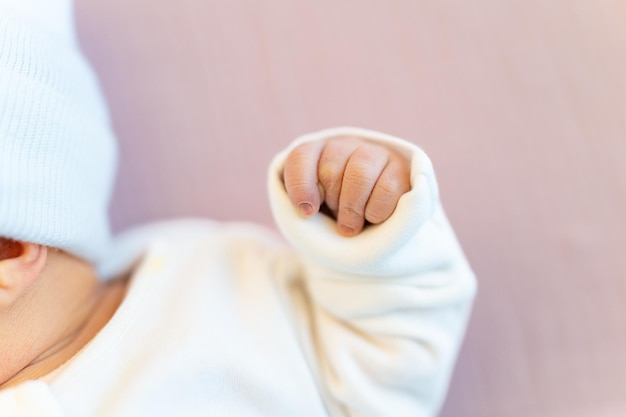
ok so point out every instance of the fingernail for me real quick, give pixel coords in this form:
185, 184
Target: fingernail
306, 209
346, 230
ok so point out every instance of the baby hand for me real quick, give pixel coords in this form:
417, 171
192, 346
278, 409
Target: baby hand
357, 180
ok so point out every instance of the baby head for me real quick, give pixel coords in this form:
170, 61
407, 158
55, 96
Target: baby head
57, 152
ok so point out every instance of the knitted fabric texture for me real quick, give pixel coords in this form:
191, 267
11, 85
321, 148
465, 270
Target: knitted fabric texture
57, 151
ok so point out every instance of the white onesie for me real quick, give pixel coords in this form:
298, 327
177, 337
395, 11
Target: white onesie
227, 320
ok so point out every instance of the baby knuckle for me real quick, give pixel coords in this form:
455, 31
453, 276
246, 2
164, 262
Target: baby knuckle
298, 189
368, 155
354, 179
328, 174
389, 187
299, 155
360, 173
375, 215
350, 210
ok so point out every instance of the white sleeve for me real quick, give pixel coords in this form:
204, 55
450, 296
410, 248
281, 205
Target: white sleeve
383, 313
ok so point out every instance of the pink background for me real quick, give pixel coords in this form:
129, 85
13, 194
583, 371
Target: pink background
520, 103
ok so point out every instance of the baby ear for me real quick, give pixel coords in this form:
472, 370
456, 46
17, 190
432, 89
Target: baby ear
20, 265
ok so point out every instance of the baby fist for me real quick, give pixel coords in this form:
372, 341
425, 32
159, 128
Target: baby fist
358, 181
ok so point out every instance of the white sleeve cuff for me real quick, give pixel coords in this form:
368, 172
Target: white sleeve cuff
379, 247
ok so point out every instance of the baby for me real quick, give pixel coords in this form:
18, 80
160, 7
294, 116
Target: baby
362, 315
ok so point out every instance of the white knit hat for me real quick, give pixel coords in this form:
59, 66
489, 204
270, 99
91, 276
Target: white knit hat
57, 151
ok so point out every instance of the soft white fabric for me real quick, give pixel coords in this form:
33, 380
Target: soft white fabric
227, 320
57, 153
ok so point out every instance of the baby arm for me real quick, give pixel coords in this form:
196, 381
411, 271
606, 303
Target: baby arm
385, 305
